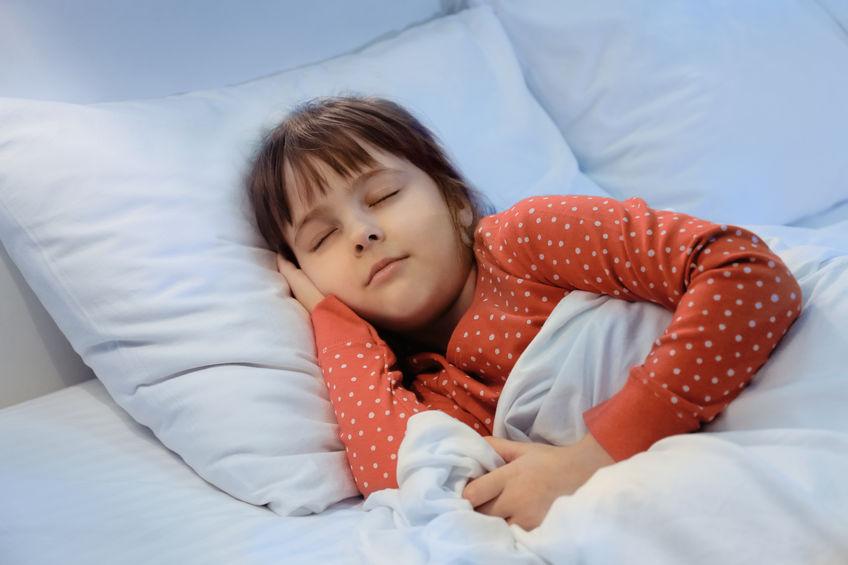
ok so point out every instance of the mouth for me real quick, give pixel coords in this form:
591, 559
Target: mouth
383, 268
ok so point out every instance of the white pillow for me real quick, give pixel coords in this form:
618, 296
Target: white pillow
129, 220
729, 109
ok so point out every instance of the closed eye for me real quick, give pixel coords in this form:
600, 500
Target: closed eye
386, 196
322, 241
317, 245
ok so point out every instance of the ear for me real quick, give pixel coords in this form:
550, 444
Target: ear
465, 215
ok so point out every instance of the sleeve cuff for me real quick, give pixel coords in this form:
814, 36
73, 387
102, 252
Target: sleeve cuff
634, 419
334, 323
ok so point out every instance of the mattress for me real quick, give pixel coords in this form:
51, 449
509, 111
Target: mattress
92, 486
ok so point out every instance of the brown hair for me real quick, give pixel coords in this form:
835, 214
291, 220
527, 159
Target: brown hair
327, 129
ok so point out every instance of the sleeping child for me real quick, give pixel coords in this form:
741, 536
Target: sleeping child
422, 298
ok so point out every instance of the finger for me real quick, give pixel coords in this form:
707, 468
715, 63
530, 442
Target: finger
509, 507
507, 449
282, 263
522, 522
485, 488
493, 508
490, 508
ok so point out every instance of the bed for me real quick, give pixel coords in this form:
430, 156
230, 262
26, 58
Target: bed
183, 448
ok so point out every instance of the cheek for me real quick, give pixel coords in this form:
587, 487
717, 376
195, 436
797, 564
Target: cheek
327, 275
434, 222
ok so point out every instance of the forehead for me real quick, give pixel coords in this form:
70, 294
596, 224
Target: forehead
311, 180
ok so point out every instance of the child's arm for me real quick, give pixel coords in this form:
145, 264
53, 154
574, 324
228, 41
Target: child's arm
372, 408
367, 396
733, 299
370, 403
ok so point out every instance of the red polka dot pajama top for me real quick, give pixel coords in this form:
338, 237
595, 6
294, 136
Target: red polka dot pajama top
733, 300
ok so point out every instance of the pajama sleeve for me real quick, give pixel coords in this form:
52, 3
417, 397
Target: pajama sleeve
366, 392
732, 300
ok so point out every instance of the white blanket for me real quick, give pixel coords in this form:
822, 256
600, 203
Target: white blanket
765, 482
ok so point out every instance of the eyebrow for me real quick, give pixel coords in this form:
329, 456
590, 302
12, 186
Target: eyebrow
318, 210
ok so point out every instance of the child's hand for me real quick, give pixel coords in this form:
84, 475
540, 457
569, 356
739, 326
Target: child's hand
535, 474
302, 287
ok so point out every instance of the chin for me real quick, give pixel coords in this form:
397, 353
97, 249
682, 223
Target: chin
397, 319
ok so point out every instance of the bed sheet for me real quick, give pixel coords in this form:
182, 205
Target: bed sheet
82, 483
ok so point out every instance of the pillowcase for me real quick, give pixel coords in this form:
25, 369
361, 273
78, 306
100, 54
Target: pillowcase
727, 109
130, 222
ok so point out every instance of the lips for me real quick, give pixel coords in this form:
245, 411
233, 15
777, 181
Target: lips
382, 263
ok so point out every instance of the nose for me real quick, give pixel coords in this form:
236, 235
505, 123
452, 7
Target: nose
366, 234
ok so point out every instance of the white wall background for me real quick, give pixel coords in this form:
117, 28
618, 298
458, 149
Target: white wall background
98, 50
89, 51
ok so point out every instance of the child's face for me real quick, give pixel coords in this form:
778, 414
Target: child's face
398, 212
